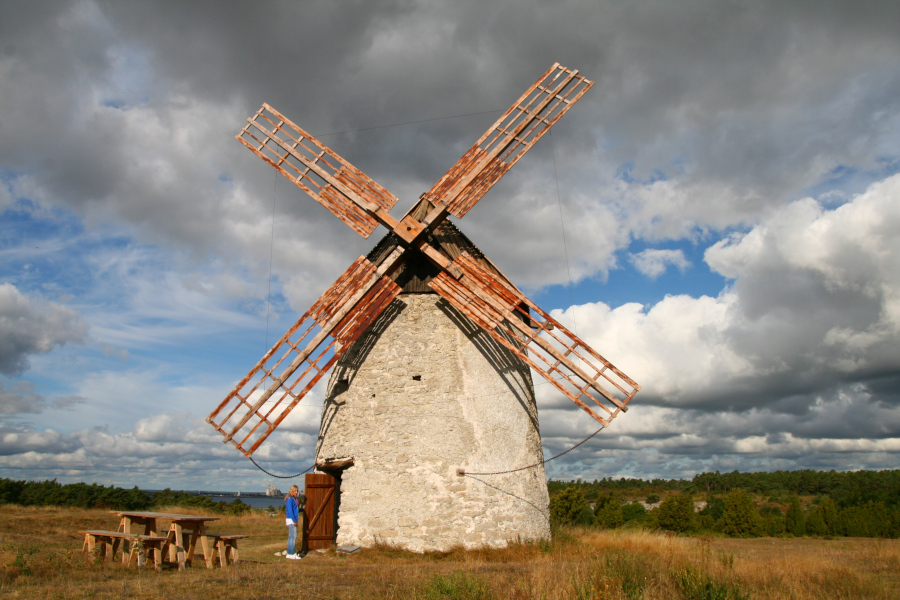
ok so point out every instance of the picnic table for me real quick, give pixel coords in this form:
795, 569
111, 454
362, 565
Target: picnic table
193, 525
108, 541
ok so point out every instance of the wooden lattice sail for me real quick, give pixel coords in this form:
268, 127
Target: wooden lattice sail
262, 400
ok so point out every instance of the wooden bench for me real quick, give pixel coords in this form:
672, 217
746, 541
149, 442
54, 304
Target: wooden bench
225, 548
109, 543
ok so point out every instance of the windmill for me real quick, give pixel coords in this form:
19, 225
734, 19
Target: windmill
426, 386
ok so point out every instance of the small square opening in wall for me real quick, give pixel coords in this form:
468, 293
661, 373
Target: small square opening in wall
417, 378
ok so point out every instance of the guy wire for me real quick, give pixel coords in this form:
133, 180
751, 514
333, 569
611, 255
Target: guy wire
467, 473
562, 227
543, 462
271, 254
280, 476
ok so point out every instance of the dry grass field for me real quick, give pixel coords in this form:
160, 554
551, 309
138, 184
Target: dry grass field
40, 557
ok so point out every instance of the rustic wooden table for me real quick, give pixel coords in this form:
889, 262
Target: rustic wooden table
195, 524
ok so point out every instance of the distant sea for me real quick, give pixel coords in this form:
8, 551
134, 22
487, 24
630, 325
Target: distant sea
253, 501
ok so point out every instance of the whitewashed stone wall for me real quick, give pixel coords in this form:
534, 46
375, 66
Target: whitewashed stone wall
423, 393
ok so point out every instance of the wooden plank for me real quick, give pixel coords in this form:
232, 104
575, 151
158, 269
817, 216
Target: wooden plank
467, 157
503, 144
377, 194
334, 464
349, 194
347, 331
340, 207
492, 304
511, 297
441, 285
343, 312
314, 166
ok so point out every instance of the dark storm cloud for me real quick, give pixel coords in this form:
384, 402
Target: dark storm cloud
20, 398
846, 428
706, 116
711, 92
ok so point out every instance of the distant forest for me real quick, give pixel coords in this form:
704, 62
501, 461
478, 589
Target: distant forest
83, 495
781, 503
821, 503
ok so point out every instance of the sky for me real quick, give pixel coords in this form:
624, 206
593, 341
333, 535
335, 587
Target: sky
718, 216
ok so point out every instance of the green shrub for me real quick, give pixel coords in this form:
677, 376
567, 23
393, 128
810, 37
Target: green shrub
741, 517
567, 506
608, 512
774, 524
676, 513
870, 520
78, 495
815, 523
715, 507
238, 508
795, 521
634, 512
707, 523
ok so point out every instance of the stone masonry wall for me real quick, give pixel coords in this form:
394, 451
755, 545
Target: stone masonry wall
422, 393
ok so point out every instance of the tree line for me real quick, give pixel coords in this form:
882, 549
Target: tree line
83, 495
856, 504
848, 488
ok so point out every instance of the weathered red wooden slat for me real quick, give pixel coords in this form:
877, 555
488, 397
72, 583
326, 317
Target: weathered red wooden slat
251, 440
364, 226
346, 332
318, 183
493, 304
374, 192
504, 143
446, 286
513, 298
329, 179
353, 302
445, 182
329, 302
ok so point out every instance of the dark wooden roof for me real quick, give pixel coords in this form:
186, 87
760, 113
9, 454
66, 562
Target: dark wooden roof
416, 271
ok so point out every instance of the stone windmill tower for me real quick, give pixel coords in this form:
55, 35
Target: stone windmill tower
433, 350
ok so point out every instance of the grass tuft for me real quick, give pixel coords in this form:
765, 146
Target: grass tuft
457, 586
699, 586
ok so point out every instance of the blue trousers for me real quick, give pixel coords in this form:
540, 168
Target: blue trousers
292, 539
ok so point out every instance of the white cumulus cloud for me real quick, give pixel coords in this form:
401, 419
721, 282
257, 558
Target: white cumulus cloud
653, 262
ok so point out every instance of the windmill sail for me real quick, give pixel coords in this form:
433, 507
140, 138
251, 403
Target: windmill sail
316, 169
504, 143
287, 372
563, 359
290, 370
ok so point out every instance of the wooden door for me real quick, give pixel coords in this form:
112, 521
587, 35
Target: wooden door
320, 498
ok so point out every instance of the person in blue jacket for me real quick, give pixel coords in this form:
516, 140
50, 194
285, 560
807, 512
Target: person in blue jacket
292, 519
